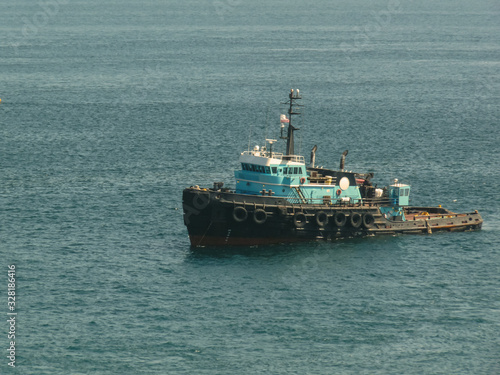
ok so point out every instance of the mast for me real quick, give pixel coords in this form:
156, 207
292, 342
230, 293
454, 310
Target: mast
290, 144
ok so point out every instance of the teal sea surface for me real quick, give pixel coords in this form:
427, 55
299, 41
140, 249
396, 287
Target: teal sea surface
110, 108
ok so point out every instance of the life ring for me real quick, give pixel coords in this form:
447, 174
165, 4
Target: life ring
356, 220
240, 214
368, 221
321, 219
259, 216
339, 191
300, 220
302, 180
339, 219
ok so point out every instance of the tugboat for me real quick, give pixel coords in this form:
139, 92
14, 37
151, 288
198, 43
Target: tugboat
279, 199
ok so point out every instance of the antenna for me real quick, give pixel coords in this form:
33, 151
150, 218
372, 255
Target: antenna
290, 143
267, 120
270, 141
249, 136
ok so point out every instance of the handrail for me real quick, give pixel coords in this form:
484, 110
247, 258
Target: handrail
300, 194
264, 154
295, 158
275, 155
339, 202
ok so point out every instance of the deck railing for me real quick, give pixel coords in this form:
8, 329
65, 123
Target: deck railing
340, 202
275, 155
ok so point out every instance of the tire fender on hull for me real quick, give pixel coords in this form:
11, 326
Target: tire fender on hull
259, 216
321, 219
339, 219
240, 214
368, 221
299, 220
356, 220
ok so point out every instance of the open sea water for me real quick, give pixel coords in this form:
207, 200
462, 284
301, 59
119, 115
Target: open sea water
110, 108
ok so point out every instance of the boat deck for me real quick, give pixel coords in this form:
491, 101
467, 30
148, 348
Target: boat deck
427, 216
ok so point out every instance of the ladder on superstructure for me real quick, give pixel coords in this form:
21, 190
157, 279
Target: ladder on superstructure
300, 194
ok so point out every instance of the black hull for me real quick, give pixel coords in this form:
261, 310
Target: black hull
223, 218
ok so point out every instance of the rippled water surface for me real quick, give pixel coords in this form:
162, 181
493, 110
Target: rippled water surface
109, 109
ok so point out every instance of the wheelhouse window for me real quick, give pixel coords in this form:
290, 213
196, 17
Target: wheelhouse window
259, 168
